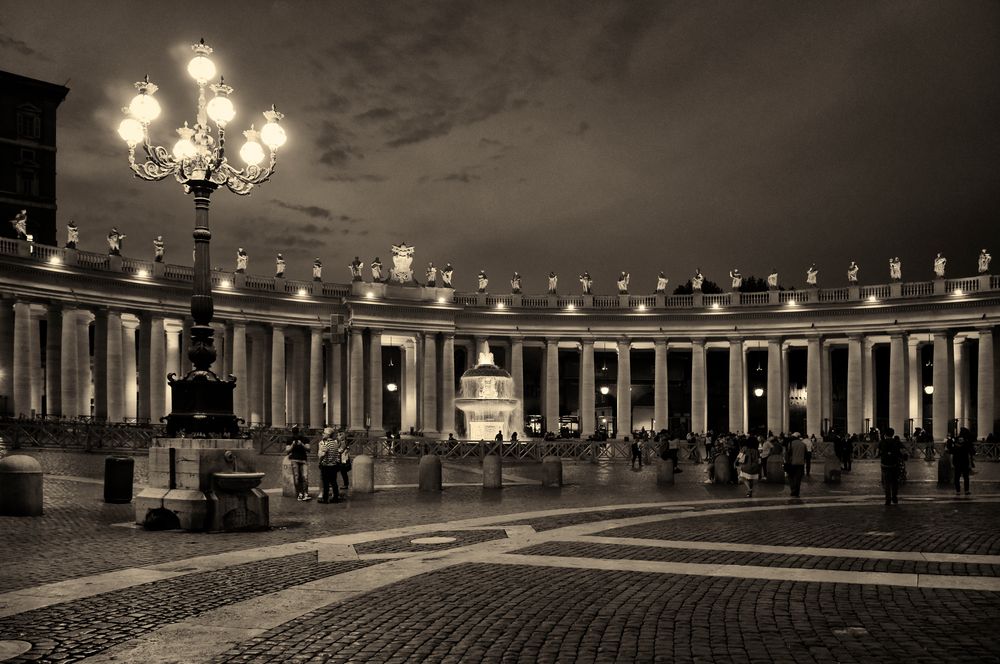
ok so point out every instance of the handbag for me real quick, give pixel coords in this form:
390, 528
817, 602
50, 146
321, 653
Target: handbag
345, 459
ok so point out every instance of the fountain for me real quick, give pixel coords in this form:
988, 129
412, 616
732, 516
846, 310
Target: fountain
487, 399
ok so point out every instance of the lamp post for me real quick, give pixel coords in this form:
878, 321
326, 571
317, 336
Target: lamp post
202, 402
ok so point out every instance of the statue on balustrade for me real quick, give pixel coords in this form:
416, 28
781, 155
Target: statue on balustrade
587, 283
811, 275
317, 269
115, 238
279, 266
241, 260
697, 280
72, 235
984, 261
446, 275
20, 224
402, 259
852, 273
431, 275
483, 281
737, 278
623, 280
939, 264
895, 269
553, 283
158, 248
376, 268
515, 283
661, 283
772, 280
356, 266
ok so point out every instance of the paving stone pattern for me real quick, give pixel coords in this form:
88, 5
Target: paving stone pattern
672, 555
483, 613
71, 631
403, 544
947, 527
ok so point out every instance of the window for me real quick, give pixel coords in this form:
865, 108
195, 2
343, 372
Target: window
28, 159
29, 122
27, 182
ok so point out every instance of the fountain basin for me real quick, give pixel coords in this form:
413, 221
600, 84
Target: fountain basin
233, 482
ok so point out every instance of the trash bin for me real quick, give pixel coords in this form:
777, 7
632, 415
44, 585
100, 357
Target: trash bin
118, 479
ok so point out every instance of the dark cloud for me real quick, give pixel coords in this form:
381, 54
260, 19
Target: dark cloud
21, 47
310, 210
377, 115
358, 177
612, 50
332, 141
331, 102
464, 177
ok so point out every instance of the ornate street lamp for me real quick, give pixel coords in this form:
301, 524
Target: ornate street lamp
202, 402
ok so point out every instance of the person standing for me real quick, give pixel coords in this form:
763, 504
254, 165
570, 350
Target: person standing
749, 464
890, 454
297, 451
765, 452
962, 451
344, 454
795, 462
810, 444
329, 464
636, 453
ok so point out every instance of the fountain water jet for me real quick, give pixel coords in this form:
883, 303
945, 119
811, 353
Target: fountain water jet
487, 399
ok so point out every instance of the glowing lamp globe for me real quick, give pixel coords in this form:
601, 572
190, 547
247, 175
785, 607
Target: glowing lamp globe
144, 108
221, 110
184, 149
273, 135
605, 390
252, 152
130, 131
201, 69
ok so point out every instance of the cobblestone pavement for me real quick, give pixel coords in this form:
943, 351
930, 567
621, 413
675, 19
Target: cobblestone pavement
405, 544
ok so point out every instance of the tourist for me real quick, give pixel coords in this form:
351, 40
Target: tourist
297, 451
890, 453
513, 436
636, 452
344, 450
962, 451
749, 464
810, 446
847, 460
795, 463
329, 463
765, 452
499, 436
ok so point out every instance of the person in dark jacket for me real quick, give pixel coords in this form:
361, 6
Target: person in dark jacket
297, 450
890, 453
795, 462
962, 451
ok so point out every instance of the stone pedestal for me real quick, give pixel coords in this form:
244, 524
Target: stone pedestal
20, 486
552, 471
492, 472
831, 470
723, 471
665, 472
429, 473
946, 473
775, 469
183, 486
364, 474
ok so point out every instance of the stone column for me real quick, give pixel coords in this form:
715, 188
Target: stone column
775, 400
36, 363
278, 386
70, 400
914, 386
241, 370
115, 368
142, 406
855, 386
736, 385
429, 410
375, 381
227, 352
898, 390
448, 383
53, 359
868, 384
814, 387
962, 382
517, 374
944, 377
552, 384
985, 383
172, 329
84, 385
699, 387
661, 413
129, 381
22, 358
7, 357
334, 385
356, 381
827, 374
588, 410
101, 364
411, 401
157, 370
316, 418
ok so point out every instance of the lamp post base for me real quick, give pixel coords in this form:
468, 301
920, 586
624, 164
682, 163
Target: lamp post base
202, 406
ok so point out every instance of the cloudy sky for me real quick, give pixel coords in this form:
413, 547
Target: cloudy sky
535, 135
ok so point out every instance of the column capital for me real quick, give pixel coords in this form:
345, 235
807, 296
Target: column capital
449, 335
624, 341
659, 341
516, 338
735, 340
697, 341
587, 341
551, 340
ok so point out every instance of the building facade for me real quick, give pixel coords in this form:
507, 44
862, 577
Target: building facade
87, 334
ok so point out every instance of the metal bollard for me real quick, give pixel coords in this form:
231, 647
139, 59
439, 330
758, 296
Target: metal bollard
552, 471
20, 486
831, 470
118, 473
665, 472
429, 474
492, 472
364, 474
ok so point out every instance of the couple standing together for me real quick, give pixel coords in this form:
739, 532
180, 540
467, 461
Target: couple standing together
334, 458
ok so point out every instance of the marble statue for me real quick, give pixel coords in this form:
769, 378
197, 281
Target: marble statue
587, 283
317, 269
115, 238
376, 268
553, 283
984, 261
515, 283
279, 266
72, 235
661, 283
852, 273
446, 275
241, 260
939, 264
737, 278
356, 266
402, 259
20, 224
483, 281
431, 275
772, 280
697, 280
811, 275
623, 280
158, 249
895, 269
